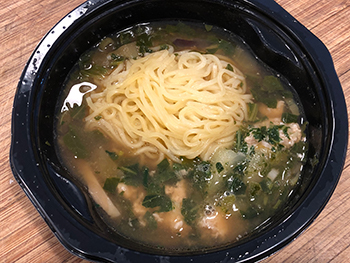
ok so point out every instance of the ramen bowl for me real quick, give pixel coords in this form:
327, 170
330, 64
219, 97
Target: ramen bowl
275, 38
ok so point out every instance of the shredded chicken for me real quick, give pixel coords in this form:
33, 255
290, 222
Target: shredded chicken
294, 133
173, 219
215, 224
135, 195
177, 192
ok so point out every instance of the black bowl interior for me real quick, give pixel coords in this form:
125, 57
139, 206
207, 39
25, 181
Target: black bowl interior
275, 38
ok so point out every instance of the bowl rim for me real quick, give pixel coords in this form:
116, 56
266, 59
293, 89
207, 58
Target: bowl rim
25, 171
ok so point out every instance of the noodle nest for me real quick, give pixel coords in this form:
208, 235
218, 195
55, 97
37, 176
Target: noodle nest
167, 104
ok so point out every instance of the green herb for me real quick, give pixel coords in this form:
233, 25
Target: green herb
259, 133
144, 42
112, 155
273, 135
219, 167
314, 160
97, 136
252, 111
125, 38
165, 172
229, 67
117, 57
189, 210
98, 117
236, 185
132, 175
267, 90
289, 117
226, 203
227, 47
162, 201
201, 175
285, 131
254, 189
271, 84
111, 184
270, 135
241, 145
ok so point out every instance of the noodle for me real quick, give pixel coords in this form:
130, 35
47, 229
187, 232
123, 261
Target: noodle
170, 105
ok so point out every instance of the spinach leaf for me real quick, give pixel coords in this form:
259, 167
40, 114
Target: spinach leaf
219, 167
165, 172
229, 67
252, 111
201, 175
111, 184
132, 175
74, 144
271, 84
162, 201
227, 47
189, 210
289, 117
267, 90
259, 133
273, 134
241, 145
236, 185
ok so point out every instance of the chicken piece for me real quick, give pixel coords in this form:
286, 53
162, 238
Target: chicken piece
173, 220
251, 141
215, 224
272, 113
294, 133
177, 192
135, 195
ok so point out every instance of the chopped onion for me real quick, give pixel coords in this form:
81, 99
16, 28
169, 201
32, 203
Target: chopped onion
272, 174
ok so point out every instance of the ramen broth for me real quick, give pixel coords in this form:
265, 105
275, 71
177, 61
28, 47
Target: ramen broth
181, 203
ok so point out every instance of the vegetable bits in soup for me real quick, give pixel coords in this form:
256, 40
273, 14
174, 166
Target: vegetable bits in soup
182, 138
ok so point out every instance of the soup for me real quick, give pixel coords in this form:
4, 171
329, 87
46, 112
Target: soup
183, 139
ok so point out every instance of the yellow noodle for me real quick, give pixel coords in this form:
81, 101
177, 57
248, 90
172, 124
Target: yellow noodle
171, 105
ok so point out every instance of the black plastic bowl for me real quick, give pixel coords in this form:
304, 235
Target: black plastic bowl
275, 37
